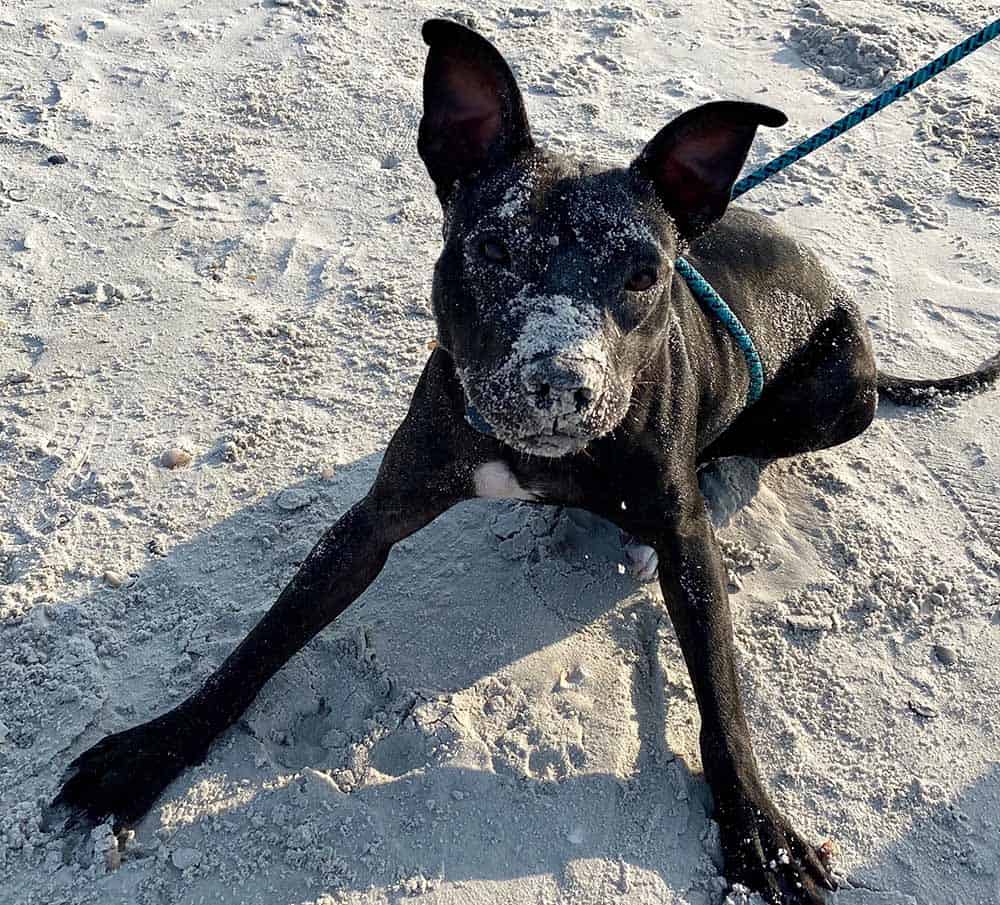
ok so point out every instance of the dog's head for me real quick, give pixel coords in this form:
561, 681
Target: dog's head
554, 283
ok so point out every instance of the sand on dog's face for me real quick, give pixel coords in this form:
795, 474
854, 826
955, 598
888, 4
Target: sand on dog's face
235, 262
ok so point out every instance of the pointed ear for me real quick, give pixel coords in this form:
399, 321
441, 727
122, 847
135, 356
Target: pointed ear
694, 160
473, 111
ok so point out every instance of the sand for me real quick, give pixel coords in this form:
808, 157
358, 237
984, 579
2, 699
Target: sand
211, 317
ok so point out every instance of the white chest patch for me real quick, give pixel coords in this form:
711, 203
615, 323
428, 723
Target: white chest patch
495, 481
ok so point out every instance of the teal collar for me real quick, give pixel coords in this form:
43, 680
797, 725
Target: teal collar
715, 303
477, 422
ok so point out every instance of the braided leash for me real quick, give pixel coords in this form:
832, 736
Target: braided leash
703, 290
700, 286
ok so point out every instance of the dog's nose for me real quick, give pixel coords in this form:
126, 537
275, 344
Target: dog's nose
560, 386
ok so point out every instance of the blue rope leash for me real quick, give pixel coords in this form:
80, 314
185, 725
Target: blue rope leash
889, 96
700, 286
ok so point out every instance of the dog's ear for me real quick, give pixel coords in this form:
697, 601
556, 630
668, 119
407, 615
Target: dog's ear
694, 160
473, 111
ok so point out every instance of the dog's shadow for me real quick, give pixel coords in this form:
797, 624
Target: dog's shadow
466, 722
462, 721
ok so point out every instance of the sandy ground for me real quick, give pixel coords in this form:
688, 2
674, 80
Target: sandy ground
235, 259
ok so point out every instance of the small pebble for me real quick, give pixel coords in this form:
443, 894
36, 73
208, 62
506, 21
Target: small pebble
836, 73
945, 654
113, 579
327, 472
806, 623
57, 159
294, 498
175, 457
924, 710
113, 293
157, 547
934, 599
184, 858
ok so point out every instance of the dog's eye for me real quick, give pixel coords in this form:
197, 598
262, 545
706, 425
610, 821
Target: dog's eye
494, 251
641, 280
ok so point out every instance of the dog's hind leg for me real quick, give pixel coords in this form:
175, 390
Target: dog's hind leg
824, 396
420, 477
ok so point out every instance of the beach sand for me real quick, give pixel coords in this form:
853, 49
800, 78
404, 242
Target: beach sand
233, 265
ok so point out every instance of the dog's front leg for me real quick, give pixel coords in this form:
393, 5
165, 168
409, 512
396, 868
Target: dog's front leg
122, 775
761, 849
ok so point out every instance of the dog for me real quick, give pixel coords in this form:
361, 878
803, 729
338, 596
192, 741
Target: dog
574, 366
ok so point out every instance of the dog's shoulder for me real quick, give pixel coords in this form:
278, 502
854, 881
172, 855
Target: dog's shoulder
747, 250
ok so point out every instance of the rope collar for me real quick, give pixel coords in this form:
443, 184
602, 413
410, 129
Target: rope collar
477, 422
705, 294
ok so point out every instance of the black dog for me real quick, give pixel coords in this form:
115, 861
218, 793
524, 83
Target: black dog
574, 366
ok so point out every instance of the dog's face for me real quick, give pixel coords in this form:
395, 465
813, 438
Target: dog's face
554, 283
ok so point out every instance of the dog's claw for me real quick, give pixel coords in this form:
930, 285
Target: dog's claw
764, 853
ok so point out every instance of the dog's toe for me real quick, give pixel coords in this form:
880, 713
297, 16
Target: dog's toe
765, 854
642, 560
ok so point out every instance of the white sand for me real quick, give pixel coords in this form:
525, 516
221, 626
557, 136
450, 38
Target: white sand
235, 261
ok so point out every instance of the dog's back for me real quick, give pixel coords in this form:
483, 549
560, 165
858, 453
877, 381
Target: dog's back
777, 286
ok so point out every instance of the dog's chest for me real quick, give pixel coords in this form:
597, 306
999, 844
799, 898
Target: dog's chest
495, 481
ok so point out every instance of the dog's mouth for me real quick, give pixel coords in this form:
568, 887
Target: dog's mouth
549, 443
549, 446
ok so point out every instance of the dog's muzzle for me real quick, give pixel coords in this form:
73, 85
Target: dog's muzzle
549, 397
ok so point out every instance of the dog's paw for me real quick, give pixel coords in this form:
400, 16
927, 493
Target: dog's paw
641, 560
764, 853
117, 779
